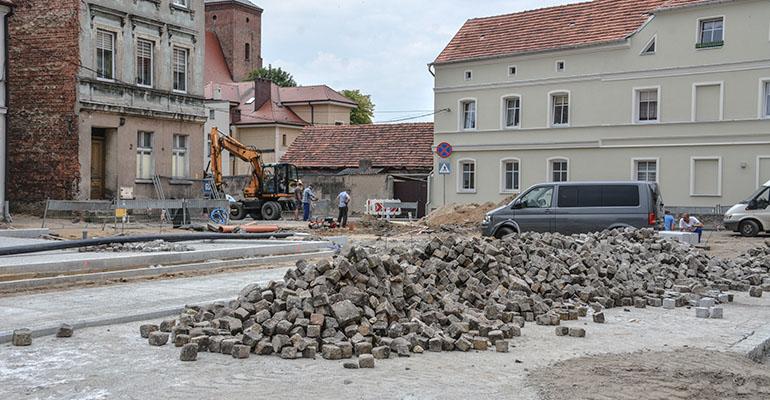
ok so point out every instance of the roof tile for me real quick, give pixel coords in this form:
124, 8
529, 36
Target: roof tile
552, 28
402, 146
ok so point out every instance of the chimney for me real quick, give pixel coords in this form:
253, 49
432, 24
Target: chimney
364, 165
262, 92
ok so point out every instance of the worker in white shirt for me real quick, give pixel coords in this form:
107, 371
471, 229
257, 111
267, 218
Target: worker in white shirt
344, 200
691, 224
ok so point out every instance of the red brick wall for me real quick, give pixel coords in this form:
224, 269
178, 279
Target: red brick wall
233, 31
42, 123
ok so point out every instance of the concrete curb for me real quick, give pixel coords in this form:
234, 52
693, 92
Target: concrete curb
32, 233
756, 346
256, 248
149, 272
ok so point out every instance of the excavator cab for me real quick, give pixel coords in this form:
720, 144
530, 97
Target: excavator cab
279, 179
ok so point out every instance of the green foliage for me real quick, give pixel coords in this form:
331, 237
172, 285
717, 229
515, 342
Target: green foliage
364, 113
277, 75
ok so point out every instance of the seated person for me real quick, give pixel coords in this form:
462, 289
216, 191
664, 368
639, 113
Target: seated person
691, 224
668, 221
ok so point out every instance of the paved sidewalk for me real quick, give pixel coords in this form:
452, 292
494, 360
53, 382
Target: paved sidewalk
104, 305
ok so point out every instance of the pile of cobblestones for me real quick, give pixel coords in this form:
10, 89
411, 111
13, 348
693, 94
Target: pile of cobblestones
451, 293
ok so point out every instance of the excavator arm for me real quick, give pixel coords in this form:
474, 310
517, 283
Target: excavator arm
220, 142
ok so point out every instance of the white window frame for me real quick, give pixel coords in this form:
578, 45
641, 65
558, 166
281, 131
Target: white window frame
468, 75
146, 151
549, 168
181, 3
694, 109
635, 99
698, 31
180, 151
504, 111
635, 170
460, 176
550, 113
114, 36
692, 176
152, 62
763, 98
516, 71
563, 65
644, 51
187, 52
461, 113
759, 160
517, 183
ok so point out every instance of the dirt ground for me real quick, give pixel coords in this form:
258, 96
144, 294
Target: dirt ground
682, 374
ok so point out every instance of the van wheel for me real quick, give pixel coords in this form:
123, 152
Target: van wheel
503, 232
749, 228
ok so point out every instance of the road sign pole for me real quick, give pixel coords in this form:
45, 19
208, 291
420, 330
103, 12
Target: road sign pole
443, 180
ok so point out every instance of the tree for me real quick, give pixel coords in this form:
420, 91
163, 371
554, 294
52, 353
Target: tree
364, 113
277, 75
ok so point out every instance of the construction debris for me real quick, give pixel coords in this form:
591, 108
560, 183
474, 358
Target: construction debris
455, 293
65, 331
155, 246
22, 337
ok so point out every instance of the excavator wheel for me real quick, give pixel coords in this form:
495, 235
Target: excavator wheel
237, 211
271, 211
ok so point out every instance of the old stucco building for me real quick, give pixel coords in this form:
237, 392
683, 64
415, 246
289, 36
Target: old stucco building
107, 94
672, 91
259, 113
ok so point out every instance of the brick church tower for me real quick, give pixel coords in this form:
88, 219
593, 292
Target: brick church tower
238, 26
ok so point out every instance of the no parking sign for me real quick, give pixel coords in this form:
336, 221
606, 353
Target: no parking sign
444, 150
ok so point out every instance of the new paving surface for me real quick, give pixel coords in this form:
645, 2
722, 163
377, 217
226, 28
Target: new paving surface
114, 362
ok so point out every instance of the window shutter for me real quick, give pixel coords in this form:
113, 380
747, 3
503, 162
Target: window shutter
104, 40
144, 49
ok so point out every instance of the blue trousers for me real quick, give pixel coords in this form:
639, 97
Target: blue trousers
699, 231
305, 211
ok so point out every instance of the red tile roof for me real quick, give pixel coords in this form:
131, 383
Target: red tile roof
318, 93
552, 28
272, 112
215, 68
401, 146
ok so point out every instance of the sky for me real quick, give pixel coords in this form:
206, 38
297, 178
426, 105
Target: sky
381, 47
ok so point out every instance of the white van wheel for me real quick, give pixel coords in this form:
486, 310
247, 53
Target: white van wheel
749, 228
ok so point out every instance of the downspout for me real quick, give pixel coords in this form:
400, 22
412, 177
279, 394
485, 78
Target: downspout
427, 203
312, 113
3, 141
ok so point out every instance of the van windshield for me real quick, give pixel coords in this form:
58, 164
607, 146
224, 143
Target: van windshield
756, 194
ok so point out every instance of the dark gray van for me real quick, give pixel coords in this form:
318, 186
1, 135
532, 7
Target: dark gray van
577, 207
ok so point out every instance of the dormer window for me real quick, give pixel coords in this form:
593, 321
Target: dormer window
650, 47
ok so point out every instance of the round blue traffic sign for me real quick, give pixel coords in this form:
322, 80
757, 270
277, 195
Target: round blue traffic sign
444, 150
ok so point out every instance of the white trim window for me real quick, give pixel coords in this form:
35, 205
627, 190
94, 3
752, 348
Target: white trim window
560, 109
145, 167
105, 54
180, 3
512, 69
711, 32
467, 176
468, 75
144, 62
706, 176
179, 160
468, 114
647, 105
558, 170
650, 47
512, 109
511, 175
180, 69
646, 170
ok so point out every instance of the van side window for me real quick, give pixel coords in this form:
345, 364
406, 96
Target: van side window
541, 197
599, 196
763, 200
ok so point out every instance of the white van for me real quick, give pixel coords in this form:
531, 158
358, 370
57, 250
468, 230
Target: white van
751, 216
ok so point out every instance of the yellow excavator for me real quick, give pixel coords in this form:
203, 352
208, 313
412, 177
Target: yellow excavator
271, 188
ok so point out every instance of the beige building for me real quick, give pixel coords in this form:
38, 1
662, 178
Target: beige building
261, 114
672, 91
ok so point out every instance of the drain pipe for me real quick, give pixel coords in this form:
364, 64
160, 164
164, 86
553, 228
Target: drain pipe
430, 200
172, 238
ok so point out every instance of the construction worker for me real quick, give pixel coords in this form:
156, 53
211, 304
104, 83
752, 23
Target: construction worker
308, 197
298, 199
344, 199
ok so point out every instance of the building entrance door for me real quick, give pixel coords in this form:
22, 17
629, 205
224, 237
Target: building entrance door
97, 164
